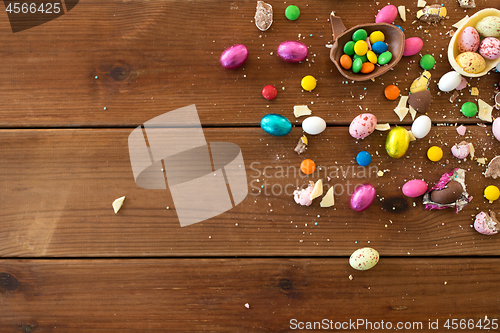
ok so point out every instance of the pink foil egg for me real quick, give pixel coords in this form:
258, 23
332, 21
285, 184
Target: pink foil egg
363, 197
413, 45
468, 40
414, 188
490, 48
387, 14
234, 56
362, 125
292, 51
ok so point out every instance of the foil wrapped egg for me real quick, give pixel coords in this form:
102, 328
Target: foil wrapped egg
234, 56
293, 51
363, 197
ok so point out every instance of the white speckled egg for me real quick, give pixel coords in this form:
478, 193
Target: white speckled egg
421, 127
362, 125
313, 125
468, 40
364, 259
449, 81
471, 62
490, 48
489, 26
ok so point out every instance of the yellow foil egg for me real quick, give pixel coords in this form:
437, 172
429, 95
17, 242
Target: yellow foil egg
397, 142
471, 62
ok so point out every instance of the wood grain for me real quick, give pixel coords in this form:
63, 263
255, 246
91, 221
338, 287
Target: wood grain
58, 188
210, 295
156, 56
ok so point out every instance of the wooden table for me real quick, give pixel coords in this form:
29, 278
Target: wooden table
75, 88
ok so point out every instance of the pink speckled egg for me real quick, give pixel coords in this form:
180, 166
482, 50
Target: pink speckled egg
363, 197
468, 40
234, 56
414, 188
496, 128
413, 45
387, 14
490, 48
362, 125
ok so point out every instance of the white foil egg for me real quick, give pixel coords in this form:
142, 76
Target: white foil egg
449, 81
313, 125
421, 127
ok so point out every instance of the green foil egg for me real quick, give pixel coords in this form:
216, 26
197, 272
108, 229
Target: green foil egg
397, 142
275, 124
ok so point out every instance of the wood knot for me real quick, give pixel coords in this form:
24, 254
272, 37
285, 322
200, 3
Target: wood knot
395, 205
28, 329
8, 282
285, 284
399, 307
120, 72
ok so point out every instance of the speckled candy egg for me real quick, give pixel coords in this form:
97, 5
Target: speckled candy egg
471, 62
468, 40
234, 56
362, 125
489, 26
364, 259
292, 51
363, 197
275, 124
496, 128
490, 48
414, 188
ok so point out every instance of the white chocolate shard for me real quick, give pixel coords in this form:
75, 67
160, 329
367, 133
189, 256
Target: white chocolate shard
484, 111
402, 13
421, 3
118, 203
471, 150
317, 190
383, 127
301, 110
411, 136
413, 112
328, 200
401, 109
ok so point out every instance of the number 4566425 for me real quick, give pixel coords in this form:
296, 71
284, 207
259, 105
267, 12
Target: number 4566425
33, 8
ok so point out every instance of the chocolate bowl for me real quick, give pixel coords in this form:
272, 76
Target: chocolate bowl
394, 38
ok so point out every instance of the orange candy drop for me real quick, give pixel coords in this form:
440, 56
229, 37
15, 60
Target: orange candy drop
391, 92
345, 61
307, 166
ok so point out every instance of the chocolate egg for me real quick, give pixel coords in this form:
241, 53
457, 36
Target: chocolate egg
275, 124
414, 188
468, 40
364, 259
397, 142
362, 125
448, 195
363, 197
234, 56
292, 51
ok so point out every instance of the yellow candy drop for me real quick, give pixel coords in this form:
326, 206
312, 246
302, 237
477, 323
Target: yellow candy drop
360, 48
435, 153
491, 193
308, 83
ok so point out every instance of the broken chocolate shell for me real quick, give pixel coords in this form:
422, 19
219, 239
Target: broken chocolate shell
493, 170
420, 100
486, 224
451, 193
263, 15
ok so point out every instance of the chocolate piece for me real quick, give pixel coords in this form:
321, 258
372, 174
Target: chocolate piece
301, 145
420, 100
432, 14
493, 170
467, 3
454, 96
451, 193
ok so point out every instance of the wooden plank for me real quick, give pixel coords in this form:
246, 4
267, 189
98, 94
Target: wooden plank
58, 186
158, 56
210, 295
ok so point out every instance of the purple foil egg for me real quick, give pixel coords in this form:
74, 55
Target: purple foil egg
234, 56
363, 197
292, 51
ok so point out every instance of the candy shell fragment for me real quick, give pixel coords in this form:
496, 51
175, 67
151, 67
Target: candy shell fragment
303, 196
432, 14
301, 145
263, 16
493, 169
486, 224
461, 130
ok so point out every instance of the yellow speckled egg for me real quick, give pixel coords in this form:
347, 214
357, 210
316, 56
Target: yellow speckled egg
397, 142
364, 259
471, 62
